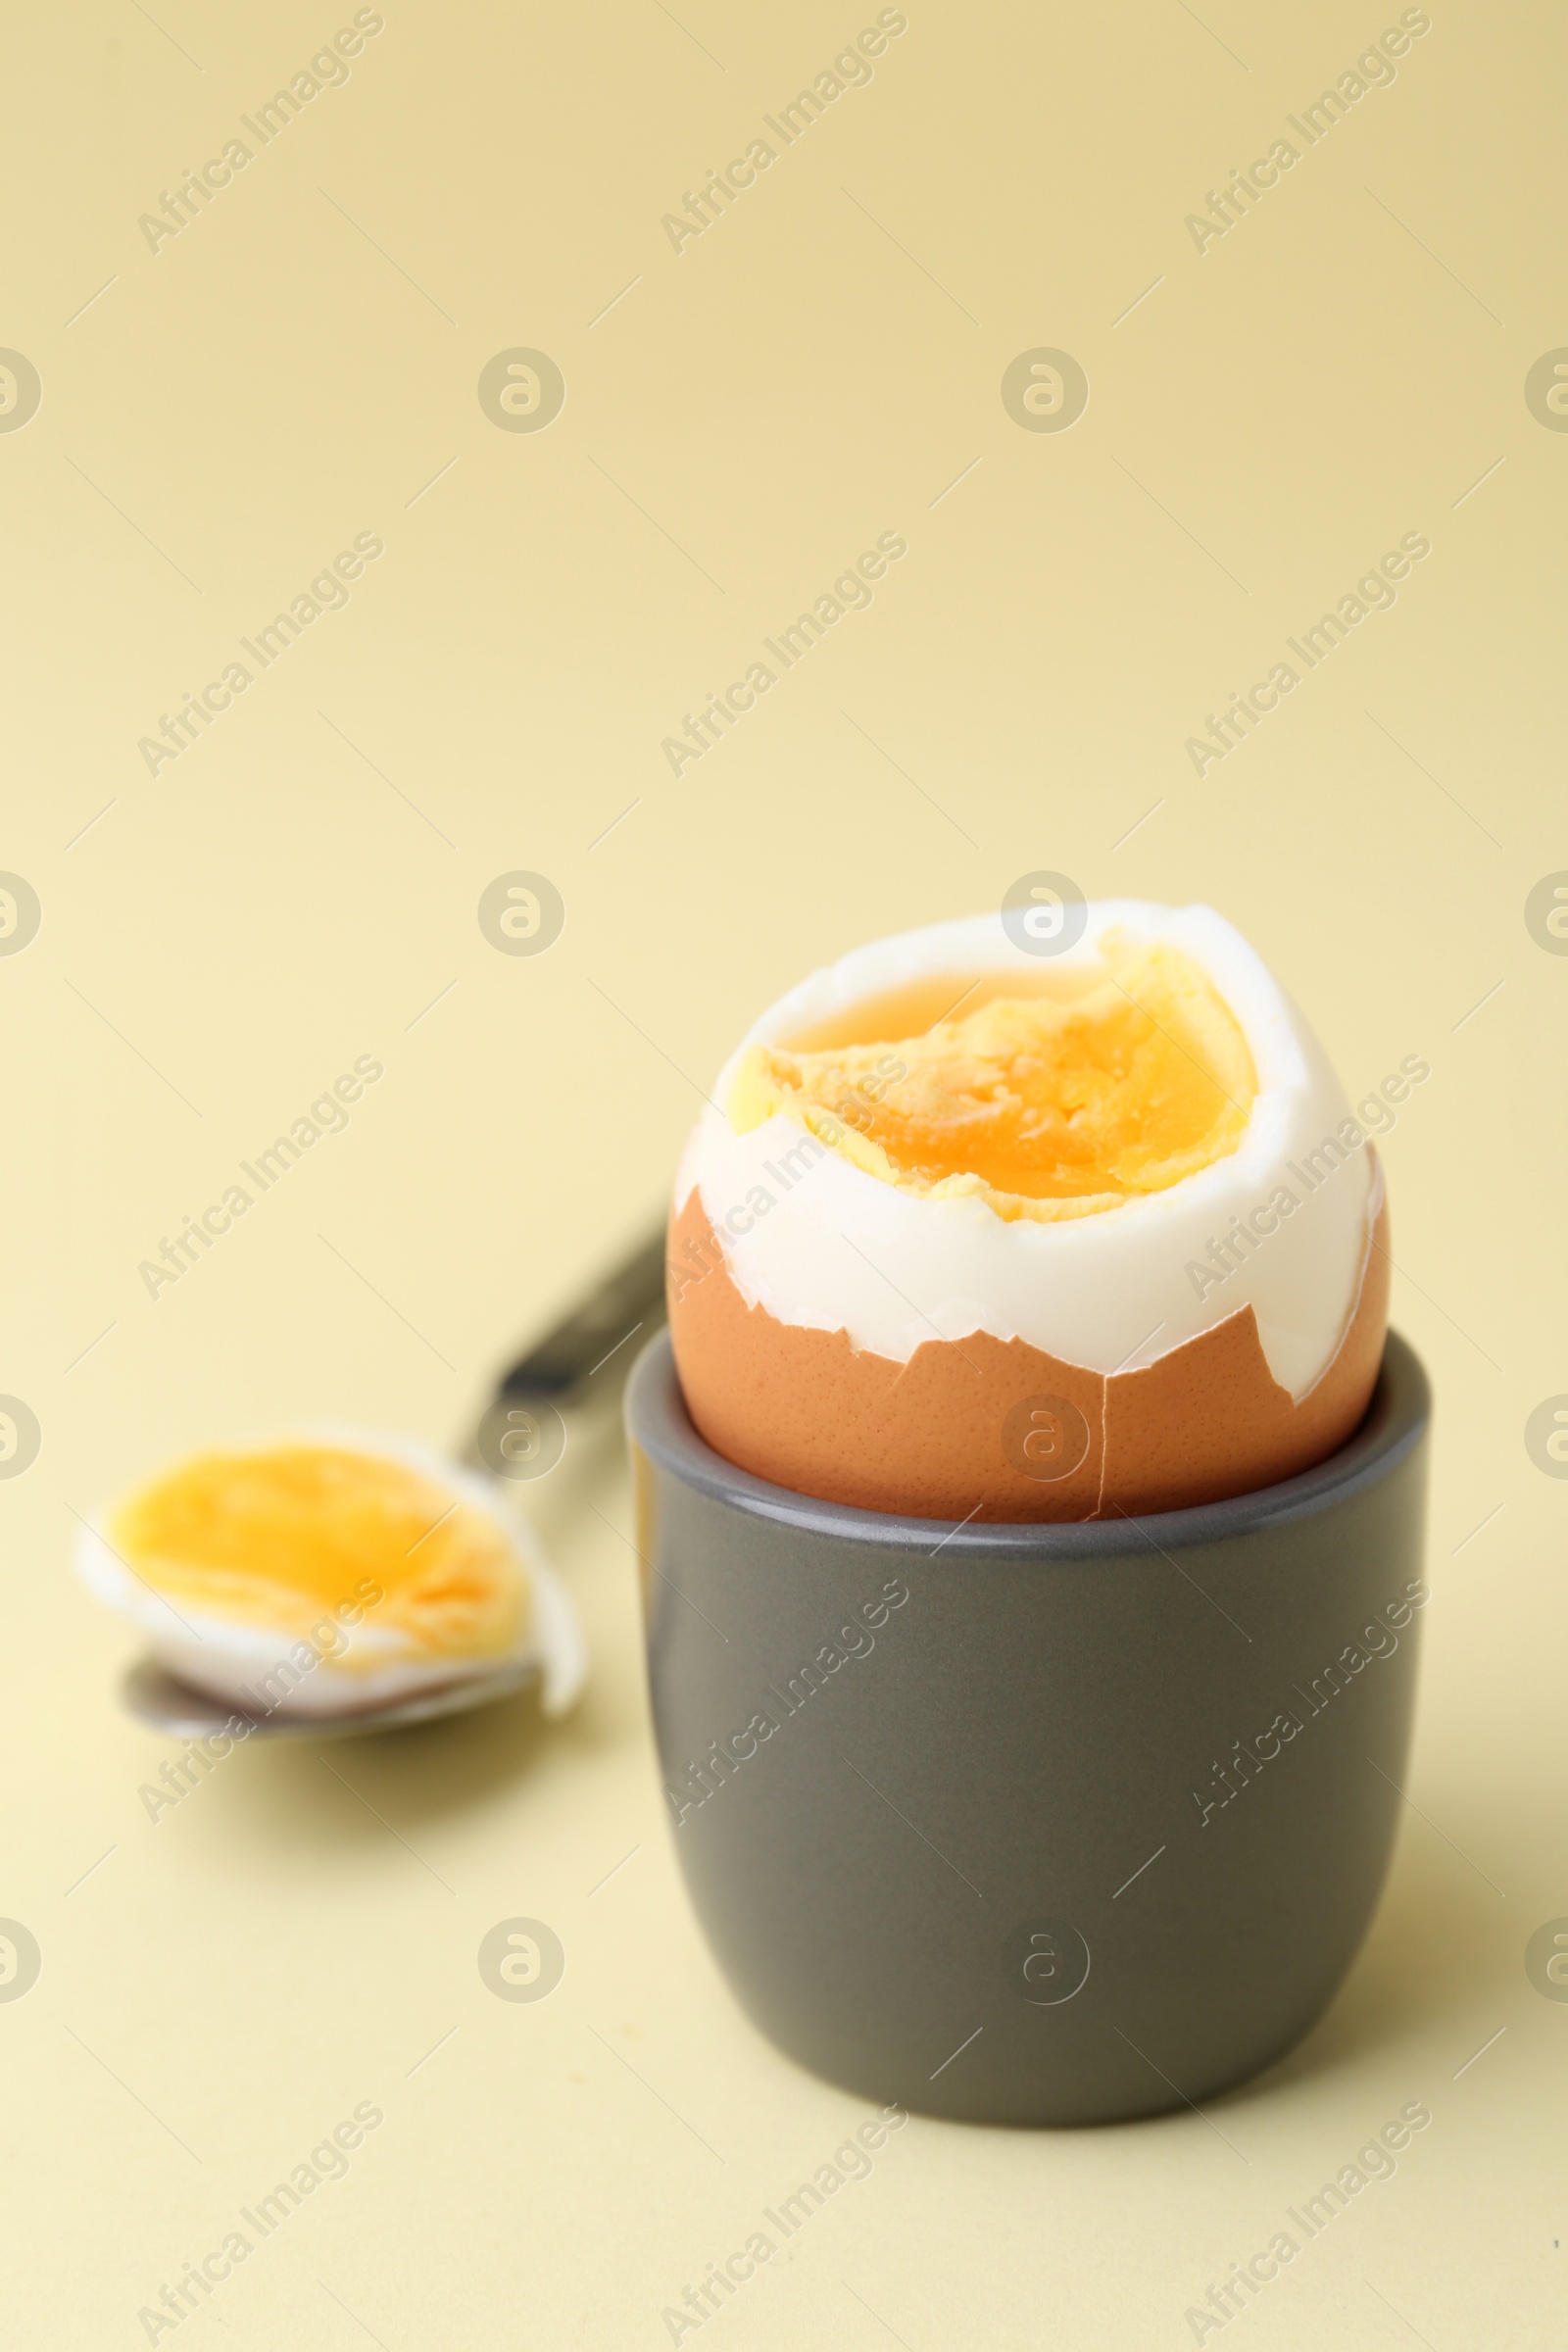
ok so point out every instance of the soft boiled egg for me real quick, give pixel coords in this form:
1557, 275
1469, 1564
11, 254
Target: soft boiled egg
973, 1232
329, 1574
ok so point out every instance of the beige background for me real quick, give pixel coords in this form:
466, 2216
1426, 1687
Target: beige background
219, 419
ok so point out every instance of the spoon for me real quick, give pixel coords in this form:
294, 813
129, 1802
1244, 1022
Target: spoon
553, 1377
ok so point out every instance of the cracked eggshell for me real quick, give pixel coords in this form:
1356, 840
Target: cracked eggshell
866, 1342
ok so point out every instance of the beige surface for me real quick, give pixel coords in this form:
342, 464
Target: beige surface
817, 369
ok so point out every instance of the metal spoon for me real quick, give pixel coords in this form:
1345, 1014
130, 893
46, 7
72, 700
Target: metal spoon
554, 1375
580, 1363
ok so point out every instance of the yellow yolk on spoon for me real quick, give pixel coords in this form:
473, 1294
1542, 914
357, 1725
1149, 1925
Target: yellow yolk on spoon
1045, 1106
275, 1537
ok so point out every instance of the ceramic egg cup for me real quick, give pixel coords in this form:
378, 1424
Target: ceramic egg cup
1090, 1823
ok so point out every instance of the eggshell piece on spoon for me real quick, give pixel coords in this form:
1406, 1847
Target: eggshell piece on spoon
329, 1574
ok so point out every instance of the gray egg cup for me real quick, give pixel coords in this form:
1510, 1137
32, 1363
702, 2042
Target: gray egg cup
1034, 1824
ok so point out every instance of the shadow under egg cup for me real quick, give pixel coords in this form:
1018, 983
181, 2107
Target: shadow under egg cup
1024, 1824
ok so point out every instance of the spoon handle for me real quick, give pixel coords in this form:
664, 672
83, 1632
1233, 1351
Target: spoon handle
629, 1300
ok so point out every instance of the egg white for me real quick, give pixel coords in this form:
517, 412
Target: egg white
841, 1249
378, 1664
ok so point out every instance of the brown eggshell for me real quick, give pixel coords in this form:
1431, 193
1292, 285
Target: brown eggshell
952, 1433
1209, 1419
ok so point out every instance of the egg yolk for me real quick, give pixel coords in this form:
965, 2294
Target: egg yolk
281, 1538
1045, 1106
